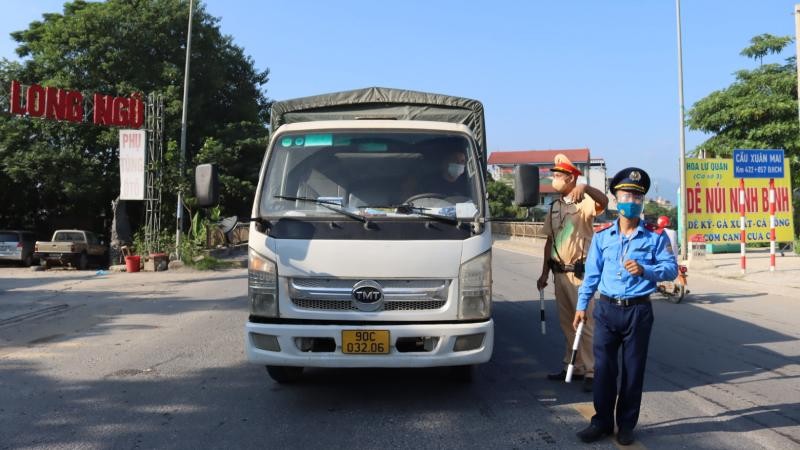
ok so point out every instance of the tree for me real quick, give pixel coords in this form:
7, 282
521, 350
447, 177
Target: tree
501, 197
55, 172
759, 110
765, 44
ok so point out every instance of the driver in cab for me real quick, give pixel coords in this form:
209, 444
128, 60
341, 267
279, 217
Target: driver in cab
452, 179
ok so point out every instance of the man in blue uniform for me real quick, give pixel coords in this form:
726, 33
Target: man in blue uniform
625, 262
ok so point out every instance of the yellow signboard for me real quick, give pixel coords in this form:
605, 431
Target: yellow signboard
712, 203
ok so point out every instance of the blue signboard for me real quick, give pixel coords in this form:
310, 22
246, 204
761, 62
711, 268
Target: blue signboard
757, 163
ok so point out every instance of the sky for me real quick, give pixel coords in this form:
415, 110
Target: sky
592, 74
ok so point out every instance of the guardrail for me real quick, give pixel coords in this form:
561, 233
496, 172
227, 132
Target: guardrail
520, 229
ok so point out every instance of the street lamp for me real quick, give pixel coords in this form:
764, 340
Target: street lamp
182, 161
682, 157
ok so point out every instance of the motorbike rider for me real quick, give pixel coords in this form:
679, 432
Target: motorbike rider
662, 225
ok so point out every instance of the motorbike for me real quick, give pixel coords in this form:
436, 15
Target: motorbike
675, 290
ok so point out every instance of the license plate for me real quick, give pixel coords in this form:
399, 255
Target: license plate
365, 342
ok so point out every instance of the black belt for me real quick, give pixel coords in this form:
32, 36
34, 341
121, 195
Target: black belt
626, 301
557, 267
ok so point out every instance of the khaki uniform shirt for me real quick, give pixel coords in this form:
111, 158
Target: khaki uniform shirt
569, 225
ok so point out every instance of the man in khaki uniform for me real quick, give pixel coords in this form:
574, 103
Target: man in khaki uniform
568, 227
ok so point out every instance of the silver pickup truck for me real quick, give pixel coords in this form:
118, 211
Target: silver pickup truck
71, 247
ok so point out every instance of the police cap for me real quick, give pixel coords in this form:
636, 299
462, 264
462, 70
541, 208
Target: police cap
631, 179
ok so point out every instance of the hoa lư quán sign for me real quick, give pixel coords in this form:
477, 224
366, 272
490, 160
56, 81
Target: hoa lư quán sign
62, 104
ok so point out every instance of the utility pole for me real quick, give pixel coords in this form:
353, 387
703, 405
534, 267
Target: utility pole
182, 163
797, 50
682, 156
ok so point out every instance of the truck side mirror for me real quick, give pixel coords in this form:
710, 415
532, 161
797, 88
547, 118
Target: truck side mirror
526, 185
206, 185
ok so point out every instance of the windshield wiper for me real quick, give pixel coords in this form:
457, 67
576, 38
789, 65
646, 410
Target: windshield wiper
409, 208
325, 204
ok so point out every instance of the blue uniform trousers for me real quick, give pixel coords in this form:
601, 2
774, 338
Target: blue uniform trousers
619, 328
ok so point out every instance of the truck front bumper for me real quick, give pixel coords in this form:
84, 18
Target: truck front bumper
442, 353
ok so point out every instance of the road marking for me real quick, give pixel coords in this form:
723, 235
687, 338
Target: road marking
587, 411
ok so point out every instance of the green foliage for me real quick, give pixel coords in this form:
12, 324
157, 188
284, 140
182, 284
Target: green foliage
501, 198
759, 110
55, 173
211, 263
193, 243
765, 44
165, 242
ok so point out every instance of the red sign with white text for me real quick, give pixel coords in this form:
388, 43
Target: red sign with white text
62, 104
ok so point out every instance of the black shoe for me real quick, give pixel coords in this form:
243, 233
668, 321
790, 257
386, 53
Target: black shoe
593, 433
625, 437
560, 376
587, 384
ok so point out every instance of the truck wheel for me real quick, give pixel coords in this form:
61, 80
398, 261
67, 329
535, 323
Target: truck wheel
462, 374
285, 374
83, 261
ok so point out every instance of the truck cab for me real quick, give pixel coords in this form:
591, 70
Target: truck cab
370, 244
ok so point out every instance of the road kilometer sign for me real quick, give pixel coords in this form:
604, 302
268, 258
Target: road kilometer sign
757, 163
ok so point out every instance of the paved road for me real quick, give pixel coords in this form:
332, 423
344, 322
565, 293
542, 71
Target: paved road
144, 361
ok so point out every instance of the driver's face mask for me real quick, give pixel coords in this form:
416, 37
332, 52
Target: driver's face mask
455, 170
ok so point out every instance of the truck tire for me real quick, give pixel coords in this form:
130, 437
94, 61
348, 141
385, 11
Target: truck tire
285, 374
83, 261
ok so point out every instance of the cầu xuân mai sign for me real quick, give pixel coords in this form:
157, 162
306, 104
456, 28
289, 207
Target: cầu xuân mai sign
62, 104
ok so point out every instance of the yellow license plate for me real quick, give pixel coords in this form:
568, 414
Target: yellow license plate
365, 342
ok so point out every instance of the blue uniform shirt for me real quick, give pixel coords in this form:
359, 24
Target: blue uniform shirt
605, 264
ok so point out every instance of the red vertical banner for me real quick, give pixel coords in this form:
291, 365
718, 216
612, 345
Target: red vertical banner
742, 239
772, 224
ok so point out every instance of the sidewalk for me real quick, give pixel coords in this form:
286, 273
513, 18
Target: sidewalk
785, 280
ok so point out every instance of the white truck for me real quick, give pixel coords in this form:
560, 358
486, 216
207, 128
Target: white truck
370, 244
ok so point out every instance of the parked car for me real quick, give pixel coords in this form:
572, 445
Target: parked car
73, 247
18, 246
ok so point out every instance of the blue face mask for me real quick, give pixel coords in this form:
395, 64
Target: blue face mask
629, 210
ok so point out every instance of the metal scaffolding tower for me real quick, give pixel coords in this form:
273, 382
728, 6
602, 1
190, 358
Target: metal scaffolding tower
154, 124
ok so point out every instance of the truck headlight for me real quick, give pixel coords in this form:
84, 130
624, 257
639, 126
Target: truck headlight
262, 286
475, 286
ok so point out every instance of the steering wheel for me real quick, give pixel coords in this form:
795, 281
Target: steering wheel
425, 195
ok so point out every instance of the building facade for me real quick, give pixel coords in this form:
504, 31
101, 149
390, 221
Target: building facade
502, 163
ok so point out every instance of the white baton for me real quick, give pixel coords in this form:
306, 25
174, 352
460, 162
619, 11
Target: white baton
541, 311
571, 366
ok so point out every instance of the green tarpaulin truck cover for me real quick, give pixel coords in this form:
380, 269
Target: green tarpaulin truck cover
384, 103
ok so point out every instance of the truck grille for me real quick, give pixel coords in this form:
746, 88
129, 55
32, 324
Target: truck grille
329, 294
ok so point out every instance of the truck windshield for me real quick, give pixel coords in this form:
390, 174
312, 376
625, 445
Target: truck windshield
393, 174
